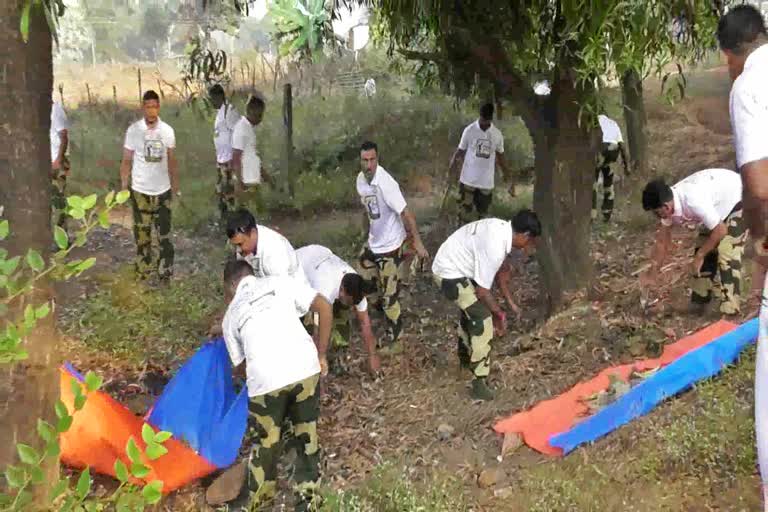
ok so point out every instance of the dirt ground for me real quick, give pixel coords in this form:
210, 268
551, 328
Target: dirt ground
366, 423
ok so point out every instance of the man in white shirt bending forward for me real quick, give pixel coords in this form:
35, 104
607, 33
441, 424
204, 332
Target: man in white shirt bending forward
282, 368
710, 199
465, 268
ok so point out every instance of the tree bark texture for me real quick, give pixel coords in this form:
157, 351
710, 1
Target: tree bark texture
634, 116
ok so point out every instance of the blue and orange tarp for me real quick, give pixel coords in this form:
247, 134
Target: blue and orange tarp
557, 426
199, 407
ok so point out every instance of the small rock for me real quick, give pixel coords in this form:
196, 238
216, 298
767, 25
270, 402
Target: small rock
503, 493
512, 441
445, 432
489, 477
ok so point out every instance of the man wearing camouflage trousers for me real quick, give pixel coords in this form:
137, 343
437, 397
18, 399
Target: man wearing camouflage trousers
611, 149
150, 164
59, 164
223, 127
710, 199
465, 269
282, 366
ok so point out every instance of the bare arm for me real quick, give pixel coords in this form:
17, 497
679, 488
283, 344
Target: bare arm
237, 168
485, 296
502, 163
502, 281
125, 168
173, 170
624, 159
754, 177
64, 139
325, 315
456, 161
369, 340
713, 239
410, 224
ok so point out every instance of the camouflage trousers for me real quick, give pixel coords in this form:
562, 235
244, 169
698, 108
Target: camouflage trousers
385, 270
720, 274
58, 196
475, 325
473, 203
225, 189
299, 403
608, 156
152, 213
252, 199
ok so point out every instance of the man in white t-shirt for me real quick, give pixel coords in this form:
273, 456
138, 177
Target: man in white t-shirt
465, 268
710, 199
742, 37
612, 147
223, 127
480, 149
344, 288
386, 219
59, 136
246, 162
282, 365
149, 163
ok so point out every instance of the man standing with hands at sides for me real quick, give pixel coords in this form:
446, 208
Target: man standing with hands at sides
282, 365
711, 199
59, 164
226, 119
612, 147
386, 219
246, 163
742, 37
480, 149
465, 269
150, 164
343, 288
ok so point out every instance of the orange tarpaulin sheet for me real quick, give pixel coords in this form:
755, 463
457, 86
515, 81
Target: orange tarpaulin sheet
559, 414
99, 434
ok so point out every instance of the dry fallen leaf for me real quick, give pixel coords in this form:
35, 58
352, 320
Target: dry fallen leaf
512, 441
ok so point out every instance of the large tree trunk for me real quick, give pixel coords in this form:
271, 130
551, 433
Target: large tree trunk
29, 389
564, 161
634, 116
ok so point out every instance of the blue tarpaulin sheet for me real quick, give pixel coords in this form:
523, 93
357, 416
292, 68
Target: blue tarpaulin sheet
200, 406
702, 363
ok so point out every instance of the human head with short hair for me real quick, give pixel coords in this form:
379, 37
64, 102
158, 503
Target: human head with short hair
242, 232
369, 159
526, 228
658, 197
217, 96
254, 109
234, 272
150, 105
739, 33
354, 289
486, 116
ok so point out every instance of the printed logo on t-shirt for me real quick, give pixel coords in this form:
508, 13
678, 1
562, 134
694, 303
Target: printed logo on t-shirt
372, 205
153, 150
483, 148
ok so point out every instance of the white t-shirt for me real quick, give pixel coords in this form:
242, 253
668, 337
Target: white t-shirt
480, 159
244, 139
611, 130
475, 251
59, 122
261, 328
275, 256
384, 203
226, 119
749, 109
324, 271
706, 197
149, 174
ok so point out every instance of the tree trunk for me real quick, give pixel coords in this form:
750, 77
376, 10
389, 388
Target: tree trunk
28, 390
634, 116
564, 161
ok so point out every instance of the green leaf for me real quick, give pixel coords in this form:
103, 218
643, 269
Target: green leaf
110, 198
36, 475
46, 431
77, 213
35, 261
155, 451
147, 434
89, 202
75, 202
3, 253
5, 229
80, 240
162, 436
59, 489
15, 476
121, 471
104, 219
62, 240
27, 454
76, 387
64, 424
93, 382
153, 491
24, 22
83, 484
82, 267
122, 196
80, 402
9, 266
139, 470
29, 314
133, 451
53, 449
42, 311
61, 409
